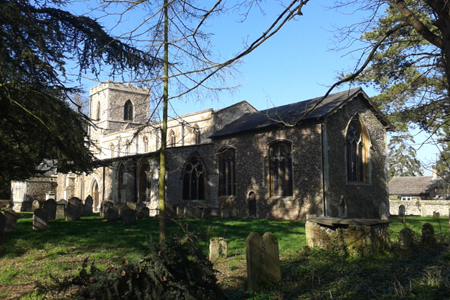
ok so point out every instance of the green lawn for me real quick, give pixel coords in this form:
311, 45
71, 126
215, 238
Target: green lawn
27, 256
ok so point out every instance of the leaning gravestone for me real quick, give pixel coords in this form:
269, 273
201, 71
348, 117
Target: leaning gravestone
128, 216
50, 207
74, 208
35, 205
111, 214
88, 204
271, 259
217, 249
10, 220
40, 219
428, 236
2, 224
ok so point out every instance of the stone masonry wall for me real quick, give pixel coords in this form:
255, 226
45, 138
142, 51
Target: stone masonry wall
420, 207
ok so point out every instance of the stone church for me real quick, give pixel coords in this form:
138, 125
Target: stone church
312, 157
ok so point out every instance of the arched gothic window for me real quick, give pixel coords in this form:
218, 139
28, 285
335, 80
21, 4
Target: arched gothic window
197, 134
144, 182
280, 169
172, 139
112, 150
227, 172
357, 154
120, 182
98, 111
194, 179
145, 140
128, 111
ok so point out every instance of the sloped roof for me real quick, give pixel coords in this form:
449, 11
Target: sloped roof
315, 108
411, 185
48, 167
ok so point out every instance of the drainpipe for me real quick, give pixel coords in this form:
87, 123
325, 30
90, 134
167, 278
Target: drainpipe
325, 167
103, 187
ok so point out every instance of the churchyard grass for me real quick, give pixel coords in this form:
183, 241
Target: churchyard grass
27, 256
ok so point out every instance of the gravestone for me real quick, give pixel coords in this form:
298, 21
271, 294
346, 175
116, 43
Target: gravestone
436, 214
263, 262
104, 207
88, 204
253, 253
143, 213
128, 215
61, 209
406, 238
40, 219
35, 205
217, 249
140, 205
189, 212
74, 209
2, 224
10, 220
428, 236
225, 213
206, 213
50, 207
270, 259
111, 214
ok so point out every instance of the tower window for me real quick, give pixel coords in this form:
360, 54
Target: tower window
128, 111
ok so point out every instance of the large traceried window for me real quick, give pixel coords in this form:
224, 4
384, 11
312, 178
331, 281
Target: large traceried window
128, 111
357, 154
194, 179
280, 169
227, 172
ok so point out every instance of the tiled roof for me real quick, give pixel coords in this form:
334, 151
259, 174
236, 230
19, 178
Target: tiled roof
411, 185
316, 108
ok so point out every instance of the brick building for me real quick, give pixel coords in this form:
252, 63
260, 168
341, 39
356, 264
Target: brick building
312, 157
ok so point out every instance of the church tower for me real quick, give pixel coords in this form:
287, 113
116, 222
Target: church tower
115, 107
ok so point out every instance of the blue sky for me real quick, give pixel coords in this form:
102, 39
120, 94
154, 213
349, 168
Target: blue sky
297, 63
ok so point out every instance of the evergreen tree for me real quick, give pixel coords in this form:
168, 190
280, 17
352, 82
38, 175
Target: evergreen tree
37, 39
409, 65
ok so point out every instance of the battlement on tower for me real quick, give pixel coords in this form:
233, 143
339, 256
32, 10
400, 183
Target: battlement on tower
122, 87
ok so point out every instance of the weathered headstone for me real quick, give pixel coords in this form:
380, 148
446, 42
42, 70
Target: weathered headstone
40, 219
128, 216
35, 205
104, 207
206, 213
271, 259
225, 213
10, 220
61, 206
428, 236
111, 214
143, 213
217, 249
436, 214
50, 207
406, 238
73, 210
88, 204
253, 253
2, 224
189, 212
